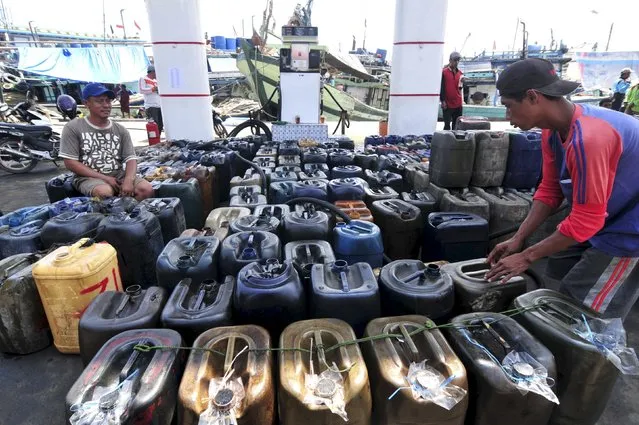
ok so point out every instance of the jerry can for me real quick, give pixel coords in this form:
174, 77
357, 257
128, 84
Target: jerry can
486, 343
339, 157
24, 215
424, 362
289, 147
366, 160
417, 177
145, 382
253, 223
312, 167
61, 187
304, 223
281, 192
472, 123
379, 179
401, 224
411, 287
23, 239
271, 293
237, 383
452, 158
195, 307
193, 258
437, 192
251, 178
454, 237
188, 191
422, 200
111, 313
524, 160
241, 190
282, 176
206, 178
220, 219
380, 194
338, 284
329, 145
289, 160
586, 378
266, 162
80, 204
137, 237
356, 210
115, 205
344, 142
223, 161
288, 169
304, 254
274, 210
359, 241
491, 155
244, 248
170, 213
68, 227
266, 151
68, 279
311, 380
314, 156
464, 201
317, 189
22, 317
373, 140
347, 189
344, 171
474, 293
507, 210
248, 200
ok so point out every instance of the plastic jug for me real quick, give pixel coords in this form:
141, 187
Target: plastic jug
242, 190
379, 179
391, 363
412, 287
401, 224
68, 279
304, 254
281, 192
339, 157
344, 142
338, 284
454, 237
474, 293
482, 341
223, 161
170, 212
244, 248
491, 155
151, 378
347, 189
359, 241
115, 205
270, 293
266, 151
188, 191
472, 123
235, 382
195, 307
366, 160
317, 189
24, 215
373, 140
451, 159
305, 222
313, 175
253, 223
111, 313
507, 210
251, 178
22, 318
248, 200
344, 171
289, 147
282, 176
380, 194
315, 166
314, 156
289, 160
328, 145
193, 258
299, 398
417, 176
586, 378
524, 160
81, 204
137, 237
466, 202
275, 210
422, 200
288, 169
68, 227
220, 219
206, 178
437, 192
61, 187
23, 239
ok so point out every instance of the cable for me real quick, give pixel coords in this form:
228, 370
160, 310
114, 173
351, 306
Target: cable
246, 161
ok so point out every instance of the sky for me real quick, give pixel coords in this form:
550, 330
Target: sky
471, 25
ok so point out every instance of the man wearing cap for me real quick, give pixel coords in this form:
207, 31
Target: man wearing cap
620, 88
590, 158
450, 93
152, 105
100, 152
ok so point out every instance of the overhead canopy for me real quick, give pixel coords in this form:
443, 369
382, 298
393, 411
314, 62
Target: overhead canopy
350, 64
105, 64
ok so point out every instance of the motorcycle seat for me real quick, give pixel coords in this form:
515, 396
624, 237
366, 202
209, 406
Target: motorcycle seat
27, 128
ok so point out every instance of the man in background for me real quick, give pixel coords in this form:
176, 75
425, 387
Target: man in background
450, 94
152, 105
632, 100
620, 88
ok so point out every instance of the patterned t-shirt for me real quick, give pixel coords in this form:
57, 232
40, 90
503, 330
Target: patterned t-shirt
104, 150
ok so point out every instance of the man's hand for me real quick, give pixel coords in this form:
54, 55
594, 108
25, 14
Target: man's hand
444, 105
154, 89
508, 268
111, 181
127, 188
505, 249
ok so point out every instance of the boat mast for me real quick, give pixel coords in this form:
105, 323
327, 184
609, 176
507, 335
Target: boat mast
609, 36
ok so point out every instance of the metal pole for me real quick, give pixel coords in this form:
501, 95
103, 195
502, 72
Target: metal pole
103, 21
515, 38
610, 36
122, 19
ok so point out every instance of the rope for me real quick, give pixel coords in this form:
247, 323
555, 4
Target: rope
428, 326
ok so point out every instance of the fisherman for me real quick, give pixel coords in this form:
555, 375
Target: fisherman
620, 88
152, 105
450, 93
590, 158
100, 152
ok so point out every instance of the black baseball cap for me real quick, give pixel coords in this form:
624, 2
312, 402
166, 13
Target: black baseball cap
536, 74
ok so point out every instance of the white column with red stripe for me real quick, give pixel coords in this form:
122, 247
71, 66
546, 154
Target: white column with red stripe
179, 53
418, 53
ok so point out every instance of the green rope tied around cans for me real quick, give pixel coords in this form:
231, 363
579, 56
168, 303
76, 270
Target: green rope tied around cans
428, 326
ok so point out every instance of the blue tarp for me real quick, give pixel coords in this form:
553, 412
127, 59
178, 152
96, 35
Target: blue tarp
600, 70
105, 64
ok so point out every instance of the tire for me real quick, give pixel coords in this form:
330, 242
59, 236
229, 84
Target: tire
28, 164
252, 123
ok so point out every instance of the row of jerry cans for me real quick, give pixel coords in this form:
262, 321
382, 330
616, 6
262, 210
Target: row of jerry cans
403, 372
485, 159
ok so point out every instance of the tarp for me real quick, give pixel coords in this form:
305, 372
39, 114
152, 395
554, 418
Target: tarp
600, 70
105, 64
350, 64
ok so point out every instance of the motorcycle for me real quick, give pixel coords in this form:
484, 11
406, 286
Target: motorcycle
22, 146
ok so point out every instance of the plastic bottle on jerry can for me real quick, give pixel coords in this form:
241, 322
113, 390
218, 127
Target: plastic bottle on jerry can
237, 383
68, 279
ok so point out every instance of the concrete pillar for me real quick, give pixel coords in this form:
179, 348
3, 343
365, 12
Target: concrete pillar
179, 52
417, 66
